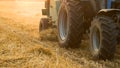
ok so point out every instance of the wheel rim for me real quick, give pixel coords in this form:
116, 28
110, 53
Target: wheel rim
63, 25
96, 39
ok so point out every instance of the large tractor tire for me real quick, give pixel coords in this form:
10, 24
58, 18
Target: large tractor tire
43, 24
103, 38
70, 24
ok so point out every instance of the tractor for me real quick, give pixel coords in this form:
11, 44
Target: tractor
99, 19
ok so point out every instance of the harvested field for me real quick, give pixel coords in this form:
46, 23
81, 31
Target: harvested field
22, 46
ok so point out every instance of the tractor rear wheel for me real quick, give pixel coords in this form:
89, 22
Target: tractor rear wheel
103, 38
70, 23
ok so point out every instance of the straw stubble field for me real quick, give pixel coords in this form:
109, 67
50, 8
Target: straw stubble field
21, 45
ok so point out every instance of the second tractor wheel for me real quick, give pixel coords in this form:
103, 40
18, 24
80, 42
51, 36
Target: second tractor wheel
43, 24
103, 38
70, 23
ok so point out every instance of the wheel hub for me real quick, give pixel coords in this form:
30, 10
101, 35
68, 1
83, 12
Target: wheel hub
63, 25
96, 39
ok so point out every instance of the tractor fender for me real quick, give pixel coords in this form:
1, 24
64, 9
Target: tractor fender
108, 12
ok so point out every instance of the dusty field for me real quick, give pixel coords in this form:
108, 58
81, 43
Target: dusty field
21, 46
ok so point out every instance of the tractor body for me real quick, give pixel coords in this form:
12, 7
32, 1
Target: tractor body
51, 9
98, 18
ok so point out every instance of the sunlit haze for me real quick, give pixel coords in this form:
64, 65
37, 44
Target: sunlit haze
25, 8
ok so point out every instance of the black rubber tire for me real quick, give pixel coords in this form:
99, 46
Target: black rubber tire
75, 27
107, 38
43, 24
